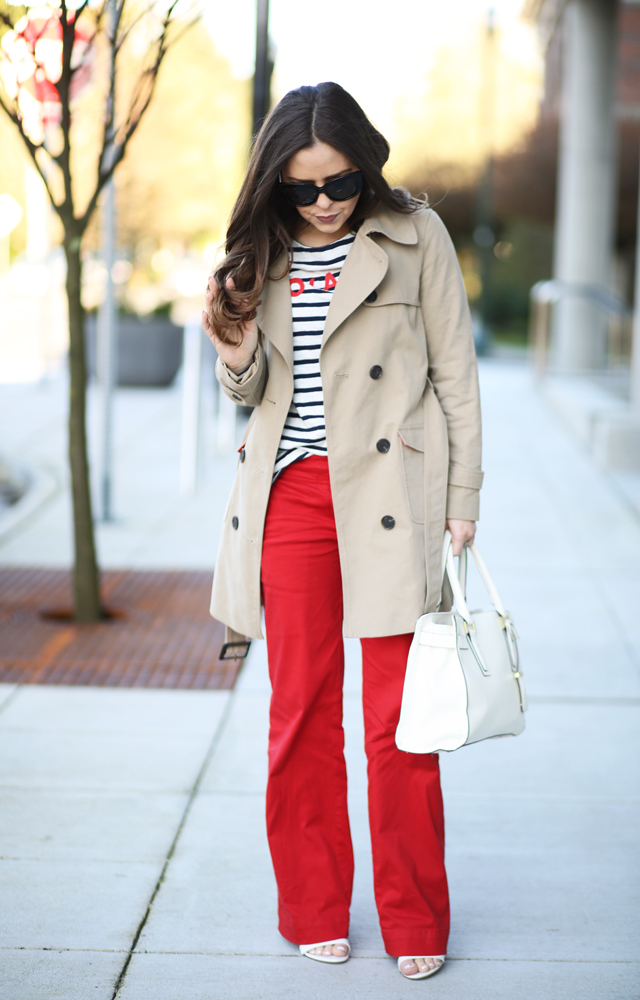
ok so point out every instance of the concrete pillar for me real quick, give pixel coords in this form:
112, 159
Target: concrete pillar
586, 181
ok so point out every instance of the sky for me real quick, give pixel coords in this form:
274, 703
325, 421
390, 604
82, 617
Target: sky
379, 50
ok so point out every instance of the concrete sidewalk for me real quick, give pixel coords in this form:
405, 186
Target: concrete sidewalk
115, 799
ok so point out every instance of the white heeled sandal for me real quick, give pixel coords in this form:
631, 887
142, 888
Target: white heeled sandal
420, 975
306, 949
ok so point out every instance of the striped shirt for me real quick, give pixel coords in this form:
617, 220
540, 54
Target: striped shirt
314, 275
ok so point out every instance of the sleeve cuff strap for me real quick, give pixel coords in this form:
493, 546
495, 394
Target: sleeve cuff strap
469, 478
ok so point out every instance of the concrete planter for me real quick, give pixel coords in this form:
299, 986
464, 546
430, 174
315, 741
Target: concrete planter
149, 351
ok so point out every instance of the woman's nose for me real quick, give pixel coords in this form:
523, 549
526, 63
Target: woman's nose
323, 202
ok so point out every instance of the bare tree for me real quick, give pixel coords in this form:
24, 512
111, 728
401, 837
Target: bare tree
45, 61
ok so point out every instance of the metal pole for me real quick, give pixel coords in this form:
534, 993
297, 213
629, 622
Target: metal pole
191, 365
107, 332
107, 356
262, 77
635, 344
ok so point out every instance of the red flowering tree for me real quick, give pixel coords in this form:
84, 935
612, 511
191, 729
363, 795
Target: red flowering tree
49, 56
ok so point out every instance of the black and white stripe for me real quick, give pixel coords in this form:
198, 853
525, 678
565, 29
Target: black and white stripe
313, 277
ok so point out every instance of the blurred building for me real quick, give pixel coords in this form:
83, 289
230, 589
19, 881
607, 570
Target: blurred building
592, 90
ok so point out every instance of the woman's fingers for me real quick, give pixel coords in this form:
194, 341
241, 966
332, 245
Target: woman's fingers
247, 328
208, 329
462, 533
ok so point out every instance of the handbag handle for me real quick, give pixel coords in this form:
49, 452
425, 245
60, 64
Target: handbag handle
458, 580
449, 567
492, 590
462, 567
461, 603
462, 570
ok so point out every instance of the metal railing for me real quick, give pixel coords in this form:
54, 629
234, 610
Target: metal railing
546, 294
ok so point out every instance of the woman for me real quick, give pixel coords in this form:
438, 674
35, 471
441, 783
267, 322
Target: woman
339, 313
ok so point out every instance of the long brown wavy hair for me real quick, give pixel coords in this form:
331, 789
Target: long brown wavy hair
263, 223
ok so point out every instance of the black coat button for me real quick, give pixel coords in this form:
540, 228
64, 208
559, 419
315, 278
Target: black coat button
372, 296
242, 455
388, 522
383, 446
375, 372
235, 522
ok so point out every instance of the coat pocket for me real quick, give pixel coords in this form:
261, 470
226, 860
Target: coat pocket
412, 438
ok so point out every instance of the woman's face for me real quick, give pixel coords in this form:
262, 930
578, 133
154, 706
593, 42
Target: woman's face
326, 220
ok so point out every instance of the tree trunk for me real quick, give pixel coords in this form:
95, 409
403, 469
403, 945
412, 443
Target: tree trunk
86, 584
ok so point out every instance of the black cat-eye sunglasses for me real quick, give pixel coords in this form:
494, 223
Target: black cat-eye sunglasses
339, 189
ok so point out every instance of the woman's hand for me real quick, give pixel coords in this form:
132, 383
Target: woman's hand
238, 357
462, 532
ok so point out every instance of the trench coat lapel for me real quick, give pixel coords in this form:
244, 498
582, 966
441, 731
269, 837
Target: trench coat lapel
274, 314
366, 265
364, 269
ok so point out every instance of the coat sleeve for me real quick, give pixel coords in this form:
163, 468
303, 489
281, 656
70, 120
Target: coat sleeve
246, 389
452, 366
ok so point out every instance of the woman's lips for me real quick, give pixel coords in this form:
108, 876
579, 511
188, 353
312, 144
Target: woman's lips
327, 218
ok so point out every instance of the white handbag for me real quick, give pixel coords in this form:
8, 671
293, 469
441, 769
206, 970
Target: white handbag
463, 681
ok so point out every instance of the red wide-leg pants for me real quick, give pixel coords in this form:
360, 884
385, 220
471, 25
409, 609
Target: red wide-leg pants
307, 819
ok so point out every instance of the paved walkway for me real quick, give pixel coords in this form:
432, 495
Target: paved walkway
117, 799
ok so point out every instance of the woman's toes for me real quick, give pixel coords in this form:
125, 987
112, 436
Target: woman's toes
409, 968
432, 963
330, 950
415, 965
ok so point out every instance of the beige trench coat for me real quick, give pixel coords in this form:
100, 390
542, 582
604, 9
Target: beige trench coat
400, 304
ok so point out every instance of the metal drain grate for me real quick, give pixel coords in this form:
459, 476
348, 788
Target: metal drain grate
161, 635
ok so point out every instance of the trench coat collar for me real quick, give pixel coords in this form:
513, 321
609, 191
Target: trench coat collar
363, 270
399, 228
366, 265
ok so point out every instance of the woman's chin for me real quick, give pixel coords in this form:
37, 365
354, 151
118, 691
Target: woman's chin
328, 228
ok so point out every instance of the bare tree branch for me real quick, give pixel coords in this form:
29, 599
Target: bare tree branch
132, 120
111, 32
127, 31
64, 87
32, 149
9, 111
137, 108
90, 42
112, 151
